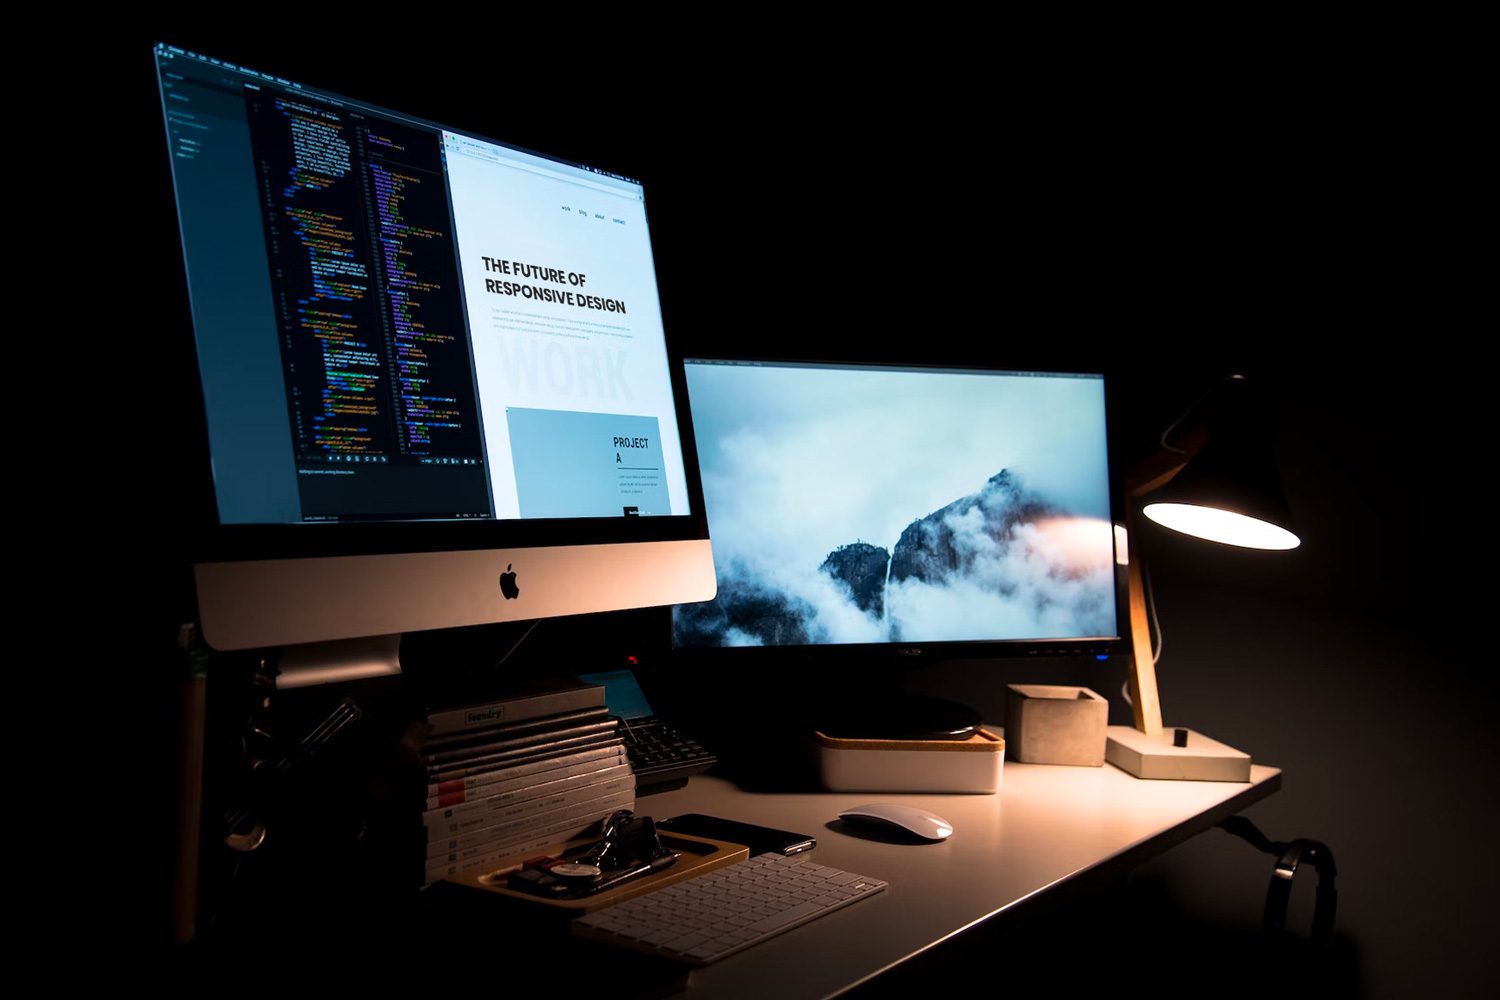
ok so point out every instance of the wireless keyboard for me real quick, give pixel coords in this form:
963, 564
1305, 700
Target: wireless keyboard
703, 919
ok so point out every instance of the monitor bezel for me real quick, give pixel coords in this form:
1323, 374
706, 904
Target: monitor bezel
916, 653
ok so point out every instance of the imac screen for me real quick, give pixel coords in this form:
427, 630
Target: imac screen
400, 321
857, 504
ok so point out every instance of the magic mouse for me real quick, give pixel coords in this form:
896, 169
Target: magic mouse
905, 819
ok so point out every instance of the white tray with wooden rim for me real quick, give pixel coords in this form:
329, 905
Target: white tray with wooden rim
971, 765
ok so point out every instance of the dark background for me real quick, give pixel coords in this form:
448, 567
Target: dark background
1285, 210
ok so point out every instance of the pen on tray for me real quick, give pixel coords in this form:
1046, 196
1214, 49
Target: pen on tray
655, 864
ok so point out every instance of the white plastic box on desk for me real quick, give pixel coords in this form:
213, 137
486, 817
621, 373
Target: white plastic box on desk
971, 765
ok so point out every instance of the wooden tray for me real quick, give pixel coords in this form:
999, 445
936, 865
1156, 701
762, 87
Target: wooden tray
491, 879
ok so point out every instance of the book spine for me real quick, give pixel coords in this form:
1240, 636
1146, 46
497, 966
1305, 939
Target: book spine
472, 815
533, 741
517, 709
454, 793
500, 762
541, 840
559, 826
533, 728
525, 817
458, 769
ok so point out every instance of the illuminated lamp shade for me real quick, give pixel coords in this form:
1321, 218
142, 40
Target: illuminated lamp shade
1224, 526
1229, 493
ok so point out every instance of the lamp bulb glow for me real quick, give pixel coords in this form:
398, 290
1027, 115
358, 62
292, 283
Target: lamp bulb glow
1221, 526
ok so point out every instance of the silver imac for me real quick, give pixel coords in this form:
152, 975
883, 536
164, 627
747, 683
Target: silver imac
436, 382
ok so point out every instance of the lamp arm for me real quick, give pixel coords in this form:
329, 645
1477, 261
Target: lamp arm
1145, 702
1150, 475
1160, 468
1199, 433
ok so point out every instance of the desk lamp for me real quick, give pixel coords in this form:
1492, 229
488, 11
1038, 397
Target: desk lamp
1217, 481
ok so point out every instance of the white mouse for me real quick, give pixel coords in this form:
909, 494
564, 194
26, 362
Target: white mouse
907, 819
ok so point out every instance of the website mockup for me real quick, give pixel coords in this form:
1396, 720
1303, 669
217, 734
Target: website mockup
566, 334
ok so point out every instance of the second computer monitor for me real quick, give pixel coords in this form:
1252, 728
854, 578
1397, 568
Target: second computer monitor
860, 504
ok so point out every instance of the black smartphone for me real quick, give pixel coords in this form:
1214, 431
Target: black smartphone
760, 839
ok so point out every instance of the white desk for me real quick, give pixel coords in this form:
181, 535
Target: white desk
1047, 825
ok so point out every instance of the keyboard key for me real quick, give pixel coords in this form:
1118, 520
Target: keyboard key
660, 754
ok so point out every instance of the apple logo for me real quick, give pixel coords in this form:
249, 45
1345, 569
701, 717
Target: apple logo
508, 584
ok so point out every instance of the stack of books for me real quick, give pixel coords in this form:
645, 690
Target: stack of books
518, 775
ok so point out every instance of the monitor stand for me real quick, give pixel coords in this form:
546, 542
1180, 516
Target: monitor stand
477, 647
902, 717
309, 663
